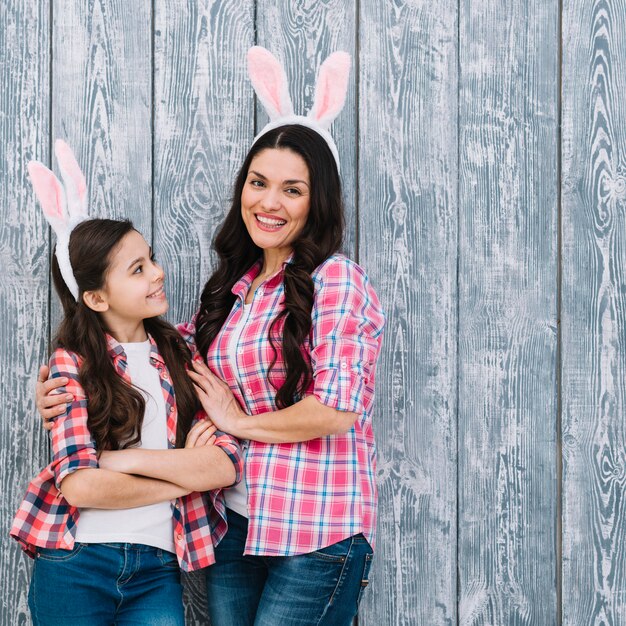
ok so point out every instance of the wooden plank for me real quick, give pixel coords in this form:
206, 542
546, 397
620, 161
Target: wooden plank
302, 34
407, 170
101, 101
593, 312
202, 130
508, 123
24, 254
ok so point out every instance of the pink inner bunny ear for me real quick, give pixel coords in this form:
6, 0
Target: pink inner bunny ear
73, 177
48, 190
270, 82
331, 88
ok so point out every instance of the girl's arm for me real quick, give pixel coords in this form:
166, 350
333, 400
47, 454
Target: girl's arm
104, 489
201, 466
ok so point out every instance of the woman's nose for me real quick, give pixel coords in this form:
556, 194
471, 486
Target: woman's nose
271, 200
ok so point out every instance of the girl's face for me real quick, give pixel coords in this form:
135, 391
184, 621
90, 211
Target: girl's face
133, 289
275, 199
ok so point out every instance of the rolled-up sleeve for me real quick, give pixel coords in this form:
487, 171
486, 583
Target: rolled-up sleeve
346, 334
73, 447
230, 445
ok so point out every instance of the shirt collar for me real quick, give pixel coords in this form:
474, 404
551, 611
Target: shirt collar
242, 286
116, 350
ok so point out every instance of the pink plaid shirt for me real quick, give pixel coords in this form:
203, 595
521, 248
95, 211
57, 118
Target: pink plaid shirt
45, 519
308, 495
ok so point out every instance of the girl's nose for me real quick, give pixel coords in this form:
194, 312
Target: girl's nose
159, 274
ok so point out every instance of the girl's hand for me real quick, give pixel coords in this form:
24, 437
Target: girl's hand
201, 434
216, 398
50, 404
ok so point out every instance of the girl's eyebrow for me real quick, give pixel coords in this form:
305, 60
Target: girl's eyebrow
140, 259
291, 181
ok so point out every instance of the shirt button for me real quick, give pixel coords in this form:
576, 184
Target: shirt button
172, 409
179, 537
248, 392
343, 365
240, 351
260, 291
173, 442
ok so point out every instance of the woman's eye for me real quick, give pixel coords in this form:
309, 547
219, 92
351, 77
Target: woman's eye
138, 270
256, 183
293, 191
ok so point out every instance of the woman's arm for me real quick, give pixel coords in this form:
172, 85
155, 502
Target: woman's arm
304, 420
104, 489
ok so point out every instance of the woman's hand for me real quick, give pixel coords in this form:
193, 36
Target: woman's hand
201, 434
50, 404
217, 399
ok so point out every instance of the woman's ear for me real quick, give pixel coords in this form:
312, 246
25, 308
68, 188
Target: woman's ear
96, 301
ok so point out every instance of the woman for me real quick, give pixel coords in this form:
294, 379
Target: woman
290, 330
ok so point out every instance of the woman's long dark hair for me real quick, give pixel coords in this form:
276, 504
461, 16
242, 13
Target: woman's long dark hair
321, 237
115, 409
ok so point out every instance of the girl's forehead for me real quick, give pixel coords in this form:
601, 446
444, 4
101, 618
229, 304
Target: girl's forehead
132, 246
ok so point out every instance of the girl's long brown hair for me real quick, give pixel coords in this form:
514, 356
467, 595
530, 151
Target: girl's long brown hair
115, 409
321, 237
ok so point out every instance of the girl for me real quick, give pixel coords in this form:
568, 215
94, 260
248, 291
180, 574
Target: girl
108, 545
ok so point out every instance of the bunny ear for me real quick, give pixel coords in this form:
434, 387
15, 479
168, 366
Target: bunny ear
74, 179
331, 88
50, 193
270, 82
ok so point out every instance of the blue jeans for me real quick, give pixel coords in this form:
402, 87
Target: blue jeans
322, 588
99, 584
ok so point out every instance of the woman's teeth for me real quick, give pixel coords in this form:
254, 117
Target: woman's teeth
268, 221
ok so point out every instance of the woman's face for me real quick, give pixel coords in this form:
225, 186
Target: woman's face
275, 199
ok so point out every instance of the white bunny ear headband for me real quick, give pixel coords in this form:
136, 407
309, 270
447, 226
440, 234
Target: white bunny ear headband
270, 84
63, 206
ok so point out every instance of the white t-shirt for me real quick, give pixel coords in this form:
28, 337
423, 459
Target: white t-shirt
150, 525
236, 497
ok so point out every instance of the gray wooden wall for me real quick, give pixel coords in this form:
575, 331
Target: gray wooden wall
484, 161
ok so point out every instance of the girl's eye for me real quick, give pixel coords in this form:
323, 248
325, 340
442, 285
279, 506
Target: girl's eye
138, 269
256, 183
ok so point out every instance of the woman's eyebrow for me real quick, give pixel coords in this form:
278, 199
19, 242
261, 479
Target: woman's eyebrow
291, 181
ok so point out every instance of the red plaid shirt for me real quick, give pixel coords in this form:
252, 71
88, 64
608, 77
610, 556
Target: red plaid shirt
308, 495
45, 519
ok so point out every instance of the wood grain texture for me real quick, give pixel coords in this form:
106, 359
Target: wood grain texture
508, 121
101, 94
594, 312
101, 104
302, 34
444, 165
203, 128
407, 172
24, 254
